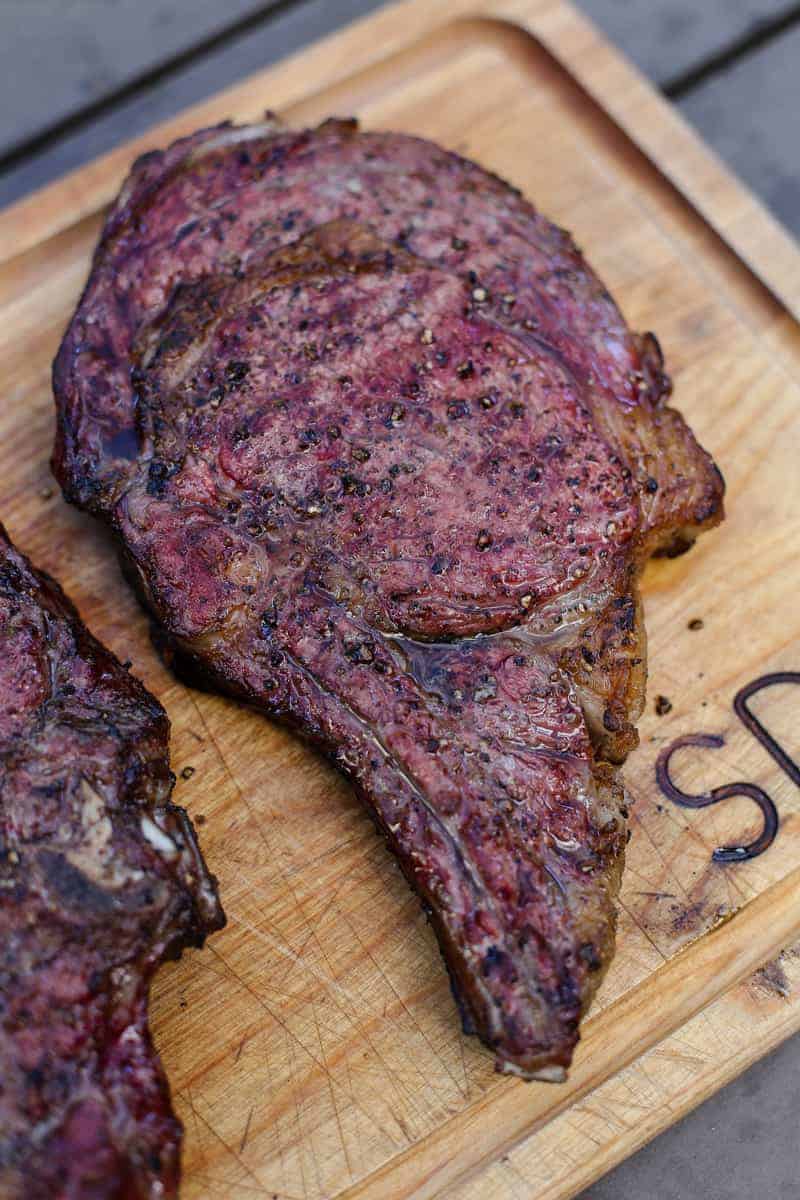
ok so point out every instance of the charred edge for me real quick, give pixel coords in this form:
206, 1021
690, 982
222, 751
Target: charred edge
474, 1021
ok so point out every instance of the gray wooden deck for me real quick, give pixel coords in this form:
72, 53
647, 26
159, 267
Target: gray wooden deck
79, 76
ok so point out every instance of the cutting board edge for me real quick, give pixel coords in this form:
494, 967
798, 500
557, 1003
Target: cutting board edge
752, 234
598, 1159
725, 956
548, 12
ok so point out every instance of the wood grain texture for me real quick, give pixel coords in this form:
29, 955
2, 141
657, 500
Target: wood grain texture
87, 49
574, 1149
667, 40
749, 112
401, 29
313, 1047
290, 25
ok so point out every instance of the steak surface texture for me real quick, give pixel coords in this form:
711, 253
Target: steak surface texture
384, 460
100, 880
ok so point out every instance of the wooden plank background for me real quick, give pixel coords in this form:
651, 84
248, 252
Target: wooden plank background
113, 68
79, 76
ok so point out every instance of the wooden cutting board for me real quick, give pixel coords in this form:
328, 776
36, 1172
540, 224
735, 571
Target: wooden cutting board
313, 1047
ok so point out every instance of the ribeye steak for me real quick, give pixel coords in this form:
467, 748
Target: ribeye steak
100, 880
385, 461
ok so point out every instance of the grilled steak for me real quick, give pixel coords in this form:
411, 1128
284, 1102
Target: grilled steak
384, 460
100, 881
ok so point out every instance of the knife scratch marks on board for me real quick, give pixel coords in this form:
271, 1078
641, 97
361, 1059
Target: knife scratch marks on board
678, 1056
243, 1142
347, 1002
332, 1093
267, 1008
201, 1120
463, 1057
331, 984
643, 931
200, 1149
300, 1142
611, 1116
415, 1023
722, 1043
389, 1074
331, 854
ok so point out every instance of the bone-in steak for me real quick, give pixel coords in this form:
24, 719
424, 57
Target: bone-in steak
100, 880
384, 460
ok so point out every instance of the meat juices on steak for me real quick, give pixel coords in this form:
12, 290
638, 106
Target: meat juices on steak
100, 880
385, 461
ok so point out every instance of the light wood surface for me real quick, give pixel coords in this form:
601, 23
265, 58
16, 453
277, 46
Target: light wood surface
571, 1151
346, 66
313, 1047
113, 70
90, 52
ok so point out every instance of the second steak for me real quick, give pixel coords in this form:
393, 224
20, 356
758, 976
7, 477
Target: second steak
101, 879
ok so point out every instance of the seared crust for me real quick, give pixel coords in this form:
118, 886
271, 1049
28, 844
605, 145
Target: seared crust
101, 879
214, 200
386, 462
